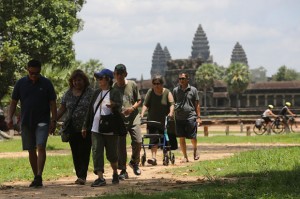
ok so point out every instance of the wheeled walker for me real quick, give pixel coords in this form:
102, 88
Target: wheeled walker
164, 141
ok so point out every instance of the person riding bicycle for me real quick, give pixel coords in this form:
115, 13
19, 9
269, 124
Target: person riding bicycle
284, 111
266, 116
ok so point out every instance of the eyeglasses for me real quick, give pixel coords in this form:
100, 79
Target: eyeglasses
182, 78
156, 84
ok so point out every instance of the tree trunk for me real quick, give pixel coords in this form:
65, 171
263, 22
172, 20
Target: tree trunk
204, 100
237, 104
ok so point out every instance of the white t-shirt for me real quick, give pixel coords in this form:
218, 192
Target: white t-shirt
103, 108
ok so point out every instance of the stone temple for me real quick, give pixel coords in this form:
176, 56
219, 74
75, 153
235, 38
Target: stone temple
256, 97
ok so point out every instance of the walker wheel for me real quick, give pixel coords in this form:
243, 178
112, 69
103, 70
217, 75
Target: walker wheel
166, 160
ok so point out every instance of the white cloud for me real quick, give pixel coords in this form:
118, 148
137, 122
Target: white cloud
128, 30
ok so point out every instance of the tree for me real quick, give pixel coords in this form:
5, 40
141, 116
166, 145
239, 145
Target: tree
39, 29
205, 76
285, 74
237, 78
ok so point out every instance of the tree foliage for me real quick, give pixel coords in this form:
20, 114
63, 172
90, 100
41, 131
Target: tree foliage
205, 76
285, 74
237, 79
39, 29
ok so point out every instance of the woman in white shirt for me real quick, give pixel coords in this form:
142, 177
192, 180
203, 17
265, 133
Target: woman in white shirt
105, 101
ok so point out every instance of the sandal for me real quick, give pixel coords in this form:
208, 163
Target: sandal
152, 161
196, 156
184, 160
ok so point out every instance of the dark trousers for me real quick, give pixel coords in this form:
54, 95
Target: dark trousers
136, 143
81, 150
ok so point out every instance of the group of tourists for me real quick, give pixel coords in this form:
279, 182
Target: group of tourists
90, 110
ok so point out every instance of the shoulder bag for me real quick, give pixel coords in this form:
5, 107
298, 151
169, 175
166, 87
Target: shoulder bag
67, 127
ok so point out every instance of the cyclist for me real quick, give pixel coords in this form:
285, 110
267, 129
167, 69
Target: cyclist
266, 116
284, 111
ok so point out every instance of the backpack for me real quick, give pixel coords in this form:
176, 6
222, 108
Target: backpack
258, 123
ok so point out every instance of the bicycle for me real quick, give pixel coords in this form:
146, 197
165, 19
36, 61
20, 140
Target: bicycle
293, 124
260, 126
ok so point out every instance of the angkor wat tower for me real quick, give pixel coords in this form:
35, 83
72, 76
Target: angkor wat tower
159, 60
238, 54
200, 47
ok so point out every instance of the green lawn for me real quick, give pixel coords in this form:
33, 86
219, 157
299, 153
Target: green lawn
266, 173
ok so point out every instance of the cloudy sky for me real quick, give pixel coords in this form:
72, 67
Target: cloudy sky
127, 31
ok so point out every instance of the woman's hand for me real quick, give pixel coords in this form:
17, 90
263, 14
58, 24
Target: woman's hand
83, 133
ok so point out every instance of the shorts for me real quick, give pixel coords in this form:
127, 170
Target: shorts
35, 137
186, 128
267, 119
155, 140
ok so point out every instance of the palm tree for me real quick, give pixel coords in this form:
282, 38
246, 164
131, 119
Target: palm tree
237, 78
205, 76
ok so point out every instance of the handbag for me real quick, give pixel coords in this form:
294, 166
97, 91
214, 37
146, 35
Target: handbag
67, 127
106, 123
111, 123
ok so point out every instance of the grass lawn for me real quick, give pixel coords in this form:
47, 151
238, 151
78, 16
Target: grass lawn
267, 173
262, 174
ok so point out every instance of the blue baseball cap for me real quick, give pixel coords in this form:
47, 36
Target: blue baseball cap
105, 72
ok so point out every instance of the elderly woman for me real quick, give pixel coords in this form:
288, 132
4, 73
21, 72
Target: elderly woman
105, 101
159, 102
74, 103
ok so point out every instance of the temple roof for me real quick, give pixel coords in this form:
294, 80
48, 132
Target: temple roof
274, 85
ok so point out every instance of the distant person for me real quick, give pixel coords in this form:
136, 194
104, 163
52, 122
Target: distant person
3, 124
131, 100
80, 143
187, 115
38, 99
105, 101
159, 102
284, 113
266, 116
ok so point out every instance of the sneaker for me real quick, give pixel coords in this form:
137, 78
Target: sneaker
115, 179
80, 181
152, 161
123, 175
135, 167
99, 182
37, 182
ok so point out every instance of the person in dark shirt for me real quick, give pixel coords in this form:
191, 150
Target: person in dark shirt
187, 114
3, 124
37, 96
284, 112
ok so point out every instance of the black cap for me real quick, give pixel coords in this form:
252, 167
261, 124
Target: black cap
120, 68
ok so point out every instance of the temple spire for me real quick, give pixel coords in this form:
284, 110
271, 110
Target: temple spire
238, 54
200, 47
159, 60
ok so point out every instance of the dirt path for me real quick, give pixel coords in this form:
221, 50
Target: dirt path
153, 179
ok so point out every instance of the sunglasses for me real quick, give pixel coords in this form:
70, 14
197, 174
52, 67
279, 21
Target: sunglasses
33, 73
182, 78
156, 84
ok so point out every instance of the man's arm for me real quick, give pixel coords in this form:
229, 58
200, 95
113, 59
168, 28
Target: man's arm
290, 112
171, 101
53, 110
12, 110
197, 105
